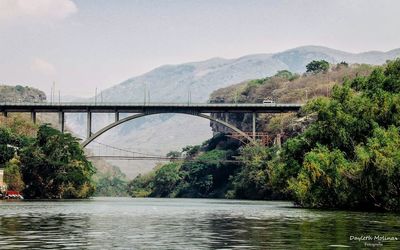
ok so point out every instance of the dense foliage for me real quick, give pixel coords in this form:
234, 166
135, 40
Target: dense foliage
206, 172
54, 166
110, 183
349, 157
317, 66
48, 165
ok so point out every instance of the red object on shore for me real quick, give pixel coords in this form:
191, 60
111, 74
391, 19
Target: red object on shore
10, 192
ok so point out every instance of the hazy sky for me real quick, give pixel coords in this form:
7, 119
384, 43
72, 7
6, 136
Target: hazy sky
84, 44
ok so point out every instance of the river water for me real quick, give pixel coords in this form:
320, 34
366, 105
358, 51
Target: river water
127, 223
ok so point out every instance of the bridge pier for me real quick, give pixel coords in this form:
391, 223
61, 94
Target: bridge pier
89, 125
61, 120
5, 114
33, 117
116, 116
254, 125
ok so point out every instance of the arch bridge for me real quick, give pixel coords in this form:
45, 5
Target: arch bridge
138, 110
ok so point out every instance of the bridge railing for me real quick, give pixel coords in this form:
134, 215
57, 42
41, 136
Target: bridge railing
161, 104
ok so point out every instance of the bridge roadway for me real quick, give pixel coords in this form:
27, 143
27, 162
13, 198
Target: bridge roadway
150, 107
143, 109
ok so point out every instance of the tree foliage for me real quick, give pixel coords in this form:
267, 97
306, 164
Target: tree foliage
349, 157
204, 173
55, 166
317, 66
253, 181
13, 176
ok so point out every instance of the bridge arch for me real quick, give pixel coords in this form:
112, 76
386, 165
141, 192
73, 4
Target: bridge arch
132, 117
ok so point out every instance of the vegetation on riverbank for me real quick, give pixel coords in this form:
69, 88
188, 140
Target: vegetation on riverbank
42, 162
347, 158
110, 181
205, 172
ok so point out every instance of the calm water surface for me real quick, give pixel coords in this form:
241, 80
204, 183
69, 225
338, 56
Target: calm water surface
126, 223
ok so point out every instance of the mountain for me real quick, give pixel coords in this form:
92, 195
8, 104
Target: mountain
21, 94
159, 134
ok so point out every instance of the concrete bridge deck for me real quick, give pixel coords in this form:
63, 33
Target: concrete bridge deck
150, 107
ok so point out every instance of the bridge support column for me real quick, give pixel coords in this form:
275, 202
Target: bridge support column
33, 117
116, 116
89, 124
61, 120
254, 125
5, 114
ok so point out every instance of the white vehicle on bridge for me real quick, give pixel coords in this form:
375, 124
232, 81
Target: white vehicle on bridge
268, 101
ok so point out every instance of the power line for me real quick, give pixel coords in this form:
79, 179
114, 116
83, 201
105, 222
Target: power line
145, 156
139, 158
127, 151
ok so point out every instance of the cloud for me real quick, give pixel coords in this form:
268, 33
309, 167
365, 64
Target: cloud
39, 9
42, 66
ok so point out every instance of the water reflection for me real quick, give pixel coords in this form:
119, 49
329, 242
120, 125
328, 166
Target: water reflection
184, 223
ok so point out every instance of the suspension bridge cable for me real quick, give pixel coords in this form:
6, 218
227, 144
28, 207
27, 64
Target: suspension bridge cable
127, 151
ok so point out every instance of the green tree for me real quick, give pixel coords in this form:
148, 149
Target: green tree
12, 175
166, 179
378, 165
111, 186
55, 167
253, 180
6, 152
142, 185
317, 66
174, 154
322, 182
205, 176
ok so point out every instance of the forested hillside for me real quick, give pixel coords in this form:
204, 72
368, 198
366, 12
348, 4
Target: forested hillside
283, 87
347, 157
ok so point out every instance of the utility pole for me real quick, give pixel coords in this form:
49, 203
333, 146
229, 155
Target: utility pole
95, 96
236, 96
51, 94
145, 93
188, 97
254, 125
54, 90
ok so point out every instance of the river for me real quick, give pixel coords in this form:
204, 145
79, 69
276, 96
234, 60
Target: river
127, 223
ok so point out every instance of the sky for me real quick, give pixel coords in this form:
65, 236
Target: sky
86, 44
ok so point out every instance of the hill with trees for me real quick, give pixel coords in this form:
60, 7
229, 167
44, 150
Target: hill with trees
347, 157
